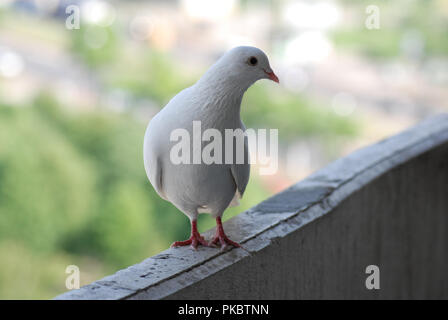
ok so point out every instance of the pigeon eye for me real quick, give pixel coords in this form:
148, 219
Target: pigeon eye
253, 61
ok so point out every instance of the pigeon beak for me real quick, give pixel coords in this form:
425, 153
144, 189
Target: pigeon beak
271, 75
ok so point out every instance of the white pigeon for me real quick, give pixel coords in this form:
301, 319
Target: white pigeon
215, 101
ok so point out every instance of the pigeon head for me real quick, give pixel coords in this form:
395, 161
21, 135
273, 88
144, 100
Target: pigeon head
249, 63
239, 68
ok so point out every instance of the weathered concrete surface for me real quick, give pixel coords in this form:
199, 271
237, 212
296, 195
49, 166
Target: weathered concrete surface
384, 205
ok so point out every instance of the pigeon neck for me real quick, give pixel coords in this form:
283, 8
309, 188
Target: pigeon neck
224, 89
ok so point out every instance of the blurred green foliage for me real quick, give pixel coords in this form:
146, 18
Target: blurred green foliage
96, 45
155, 75
267, 106
122, 201
25, 274
428, 19
40, 174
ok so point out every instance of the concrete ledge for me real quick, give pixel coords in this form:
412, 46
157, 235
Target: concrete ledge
385, 205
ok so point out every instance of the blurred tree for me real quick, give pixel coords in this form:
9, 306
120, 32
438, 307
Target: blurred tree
293, 115
46, 186
98, 46
153, 75
74, 182
126, 207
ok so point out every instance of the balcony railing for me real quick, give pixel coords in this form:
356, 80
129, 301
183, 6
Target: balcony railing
384, 206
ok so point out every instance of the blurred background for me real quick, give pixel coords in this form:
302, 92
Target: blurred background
74, 105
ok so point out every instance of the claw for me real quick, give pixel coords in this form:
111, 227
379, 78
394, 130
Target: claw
194, 240
221, 237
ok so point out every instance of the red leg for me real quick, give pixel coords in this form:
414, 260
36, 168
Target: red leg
194, 240
221, 236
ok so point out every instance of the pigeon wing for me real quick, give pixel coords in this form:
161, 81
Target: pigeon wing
241, 172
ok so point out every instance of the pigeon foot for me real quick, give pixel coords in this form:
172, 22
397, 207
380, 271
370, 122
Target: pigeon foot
194, 240
221, 237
